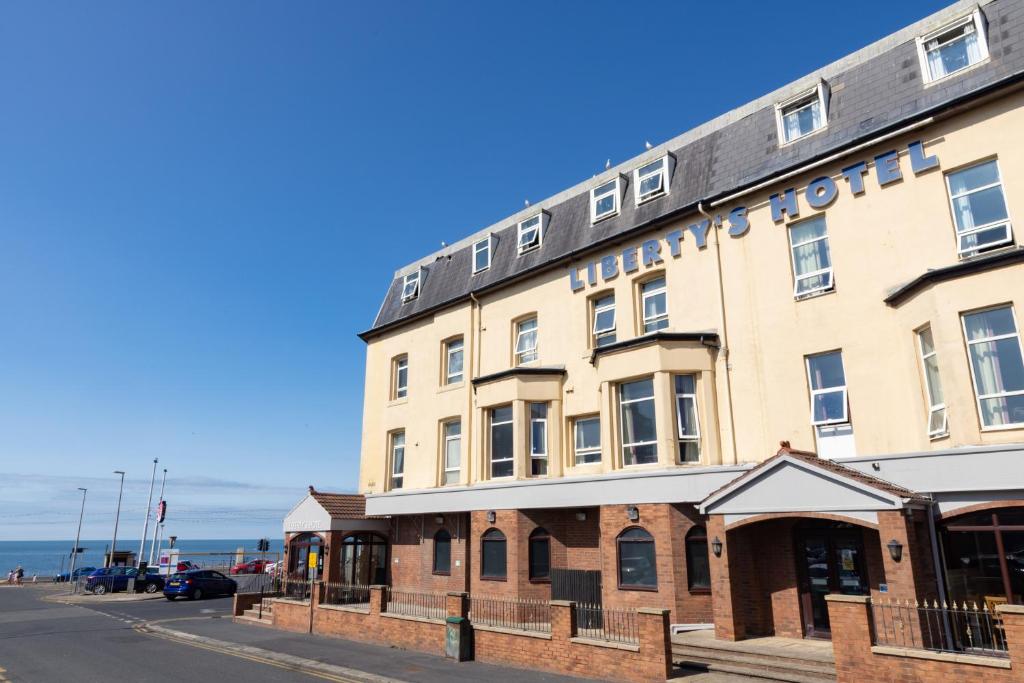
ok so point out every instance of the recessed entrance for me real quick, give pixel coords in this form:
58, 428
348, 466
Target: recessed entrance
830, 559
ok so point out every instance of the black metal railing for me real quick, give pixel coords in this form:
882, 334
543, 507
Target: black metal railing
350, 594
959, 628
411, 604
520, 614
602, 623
294, 589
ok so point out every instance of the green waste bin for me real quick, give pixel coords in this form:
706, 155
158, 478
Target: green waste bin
457, 642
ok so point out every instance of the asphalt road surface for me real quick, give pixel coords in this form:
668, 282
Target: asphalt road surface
44, 641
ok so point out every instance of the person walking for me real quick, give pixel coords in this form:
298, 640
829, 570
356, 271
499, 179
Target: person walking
10, 577
19, 573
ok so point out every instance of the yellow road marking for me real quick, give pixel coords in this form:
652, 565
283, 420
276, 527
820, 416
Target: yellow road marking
252, 658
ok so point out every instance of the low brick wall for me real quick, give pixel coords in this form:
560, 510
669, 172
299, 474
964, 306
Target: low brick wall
558, 652
244, 601
859, 661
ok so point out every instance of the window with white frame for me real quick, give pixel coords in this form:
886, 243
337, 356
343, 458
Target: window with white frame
953, 47
452, 451
828, 388
604, 320
530, 234
538, 439
651, 180
802, 115
411, 286
979, 208
932, 383
654, 304
638, 431
686, 418
501, 442
482, 255
587, 435
401, 377
397, 459
997, 367
604, 201
526, 341
453, 361
812, 261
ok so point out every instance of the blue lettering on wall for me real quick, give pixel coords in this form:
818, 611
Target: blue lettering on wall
855, 177
700, 232
821, 192
784, 204
887, 168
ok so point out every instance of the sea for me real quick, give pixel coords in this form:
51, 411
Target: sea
48, 558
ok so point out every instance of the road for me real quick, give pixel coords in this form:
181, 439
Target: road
44, 641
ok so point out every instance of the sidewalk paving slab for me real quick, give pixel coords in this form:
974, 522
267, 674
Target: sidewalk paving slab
377, 661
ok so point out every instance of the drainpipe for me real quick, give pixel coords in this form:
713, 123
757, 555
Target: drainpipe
723, 328
473, 367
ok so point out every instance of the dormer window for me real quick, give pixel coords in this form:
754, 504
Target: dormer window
802, 115
411, 286
482, 255
530, 234
953, 47
604, 201
651, 180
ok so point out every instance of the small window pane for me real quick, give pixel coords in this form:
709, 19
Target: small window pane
637, 565
540, 555
442, 552
588, 440
826, 370
494, 555
987, 324
482, 255
698, 569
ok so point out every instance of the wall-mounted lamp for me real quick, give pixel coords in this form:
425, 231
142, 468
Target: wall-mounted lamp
895, 550
581, 516
491, 516
439, 519
633, 513
716, 546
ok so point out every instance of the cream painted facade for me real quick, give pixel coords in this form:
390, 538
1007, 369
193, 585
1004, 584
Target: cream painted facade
752, 386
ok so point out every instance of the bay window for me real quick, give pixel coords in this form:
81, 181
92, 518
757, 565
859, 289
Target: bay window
538, 439
686, 418
639, 433
997, 368
501, 442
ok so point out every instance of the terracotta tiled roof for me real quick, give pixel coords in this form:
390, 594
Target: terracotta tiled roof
341, 505
829, 466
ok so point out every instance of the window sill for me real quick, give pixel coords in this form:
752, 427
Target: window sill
700, 591
644, 589
789, 143
647, 200
938, 437
454, 386
398, 401
958, 72
988, 251
1003, 428
448, 573
541, 581
602, 219
494, 578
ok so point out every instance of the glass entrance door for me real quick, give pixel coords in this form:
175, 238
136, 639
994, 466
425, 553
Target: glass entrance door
831, 560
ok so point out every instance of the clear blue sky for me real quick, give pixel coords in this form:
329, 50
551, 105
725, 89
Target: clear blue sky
201, 204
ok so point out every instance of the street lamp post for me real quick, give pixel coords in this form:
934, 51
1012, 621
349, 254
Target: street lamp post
145, 527
156, 521
117, 517
78, 535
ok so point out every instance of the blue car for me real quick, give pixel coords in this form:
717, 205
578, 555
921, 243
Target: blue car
113, 579
195, 584
81, 571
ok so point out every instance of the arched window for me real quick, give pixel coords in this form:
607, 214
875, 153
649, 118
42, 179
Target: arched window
364, 559
442, 552
540, 555
984, 561
637, 569
493, 550
698, 570
299, 549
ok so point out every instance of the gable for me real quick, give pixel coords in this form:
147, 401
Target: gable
308, 515
794, 486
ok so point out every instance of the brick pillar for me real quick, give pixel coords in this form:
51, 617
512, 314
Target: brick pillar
563, 620
377, 600
332, 558
726, 627
457, 604
1013, 623
850, 618
655, 642
902, 576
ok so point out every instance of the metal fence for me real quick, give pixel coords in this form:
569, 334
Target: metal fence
296, 590
423, 605
956, 628
520, 614
602, 623
116, 583
352, 594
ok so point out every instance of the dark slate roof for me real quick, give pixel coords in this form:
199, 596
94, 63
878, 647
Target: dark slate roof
873, 91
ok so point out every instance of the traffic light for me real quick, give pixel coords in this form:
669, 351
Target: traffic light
264, 545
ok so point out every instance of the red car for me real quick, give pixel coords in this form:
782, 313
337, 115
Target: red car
250, 567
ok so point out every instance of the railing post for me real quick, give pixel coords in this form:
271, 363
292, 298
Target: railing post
457, 604
1012, 617
563, 619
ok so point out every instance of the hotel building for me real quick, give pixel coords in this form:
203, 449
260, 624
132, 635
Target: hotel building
774, 357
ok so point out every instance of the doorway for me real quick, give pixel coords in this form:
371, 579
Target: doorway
830, 559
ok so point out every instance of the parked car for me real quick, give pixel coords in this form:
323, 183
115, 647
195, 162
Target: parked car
113, 579
186, 565
81, 571
198, 583
250, 567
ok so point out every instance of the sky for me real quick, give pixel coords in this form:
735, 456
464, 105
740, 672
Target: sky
202, 203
